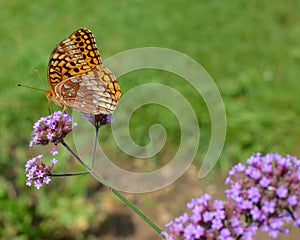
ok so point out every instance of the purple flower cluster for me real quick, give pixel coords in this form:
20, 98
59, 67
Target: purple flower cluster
37, 172
207, 221
264, 194
99, 119
267, 191
52, 129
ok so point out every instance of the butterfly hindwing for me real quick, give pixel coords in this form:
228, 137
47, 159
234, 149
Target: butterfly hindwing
89, 93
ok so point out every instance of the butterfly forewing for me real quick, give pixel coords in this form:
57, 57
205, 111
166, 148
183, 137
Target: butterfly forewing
77, 77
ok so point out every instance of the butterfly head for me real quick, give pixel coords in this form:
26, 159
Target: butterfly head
54, 98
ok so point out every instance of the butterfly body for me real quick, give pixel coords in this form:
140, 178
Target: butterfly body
77, 77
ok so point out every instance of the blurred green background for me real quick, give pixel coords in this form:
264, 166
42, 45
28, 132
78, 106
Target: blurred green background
251, 49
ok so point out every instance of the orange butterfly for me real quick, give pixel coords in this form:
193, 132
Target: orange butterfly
77, 77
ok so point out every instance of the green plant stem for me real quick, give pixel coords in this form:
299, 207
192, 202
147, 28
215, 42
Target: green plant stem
95, 146
67, 174
135, 209
115, 192
75, 155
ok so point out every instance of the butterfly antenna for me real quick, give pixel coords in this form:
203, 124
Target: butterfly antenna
39, 74
34, 88
40, 77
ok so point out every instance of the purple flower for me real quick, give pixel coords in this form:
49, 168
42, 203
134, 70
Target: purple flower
256, 214
254, 194
99, 119
253, 173
54, 150
273, 233
264, 182
297, 222
281, 192
276, 223
298, 174
192, 231
268, 207
265, 195
225, 234
218, 204
212, 221
292, 200
208, 216
37, 172
235, 222
217, 224
271, 184
52, 129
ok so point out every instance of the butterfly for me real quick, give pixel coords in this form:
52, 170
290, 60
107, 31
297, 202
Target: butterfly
77, 77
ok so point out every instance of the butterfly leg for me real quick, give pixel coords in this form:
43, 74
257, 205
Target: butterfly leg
64, 108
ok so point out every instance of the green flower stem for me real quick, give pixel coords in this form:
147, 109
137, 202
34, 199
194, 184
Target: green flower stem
115, 192
75, 155
135, 209
95, 146
68, 174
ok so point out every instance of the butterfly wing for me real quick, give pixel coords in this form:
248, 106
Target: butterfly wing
75, 55
95, 92
77, 77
